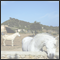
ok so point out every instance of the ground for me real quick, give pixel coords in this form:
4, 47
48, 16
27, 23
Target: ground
17, 44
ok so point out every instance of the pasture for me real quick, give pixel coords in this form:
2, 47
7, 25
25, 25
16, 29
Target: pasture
17, 45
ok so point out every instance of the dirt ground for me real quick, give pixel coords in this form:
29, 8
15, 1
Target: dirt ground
17, 44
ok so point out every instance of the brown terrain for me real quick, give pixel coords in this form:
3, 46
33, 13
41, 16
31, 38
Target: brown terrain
17, 44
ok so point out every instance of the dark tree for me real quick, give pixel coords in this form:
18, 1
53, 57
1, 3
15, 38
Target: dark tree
35, 27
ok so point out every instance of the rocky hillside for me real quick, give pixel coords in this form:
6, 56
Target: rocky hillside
15, 23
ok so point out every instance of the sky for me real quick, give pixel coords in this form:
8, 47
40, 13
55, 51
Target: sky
45, 12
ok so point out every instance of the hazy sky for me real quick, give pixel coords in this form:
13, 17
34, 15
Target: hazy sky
45, 12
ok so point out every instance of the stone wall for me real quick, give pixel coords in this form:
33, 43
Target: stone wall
24, 55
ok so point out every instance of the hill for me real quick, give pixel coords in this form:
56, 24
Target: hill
15, 23
12, 22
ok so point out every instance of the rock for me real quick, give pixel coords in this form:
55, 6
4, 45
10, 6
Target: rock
26, 57
3, 56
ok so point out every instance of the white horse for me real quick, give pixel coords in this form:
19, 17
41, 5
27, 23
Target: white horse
25, 43
10, 37
37, 43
